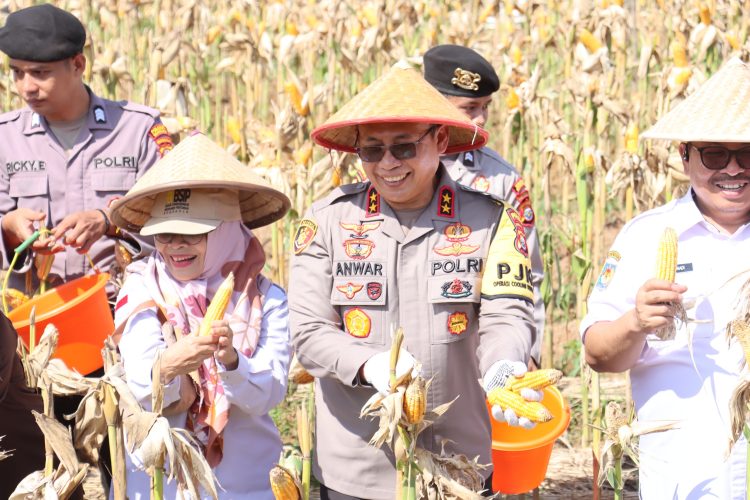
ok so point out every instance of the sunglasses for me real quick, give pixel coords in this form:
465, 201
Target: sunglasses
403, 151
188, 239
718, 157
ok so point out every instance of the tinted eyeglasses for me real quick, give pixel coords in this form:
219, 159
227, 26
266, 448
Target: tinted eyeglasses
403, 151
718, 157
189, 239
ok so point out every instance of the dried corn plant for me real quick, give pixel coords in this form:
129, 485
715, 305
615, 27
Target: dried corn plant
402, 417
621, 434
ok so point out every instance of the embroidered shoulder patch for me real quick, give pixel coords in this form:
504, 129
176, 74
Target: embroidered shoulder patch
304, 235
161, 137
608, 270
446, 202
508, 269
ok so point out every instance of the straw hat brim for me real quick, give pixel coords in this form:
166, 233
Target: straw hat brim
401, 95
717, 112
198, 162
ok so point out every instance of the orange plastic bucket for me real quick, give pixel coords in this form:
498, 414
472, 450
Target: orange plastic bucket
520, 456
80, 311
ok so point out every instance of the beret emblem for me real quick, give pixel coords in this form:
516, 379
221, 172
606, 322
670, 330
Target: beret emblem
466, 79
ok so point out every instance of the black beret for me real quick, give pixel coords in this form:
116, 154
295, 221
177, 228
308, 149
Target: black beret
42, 33
459, 71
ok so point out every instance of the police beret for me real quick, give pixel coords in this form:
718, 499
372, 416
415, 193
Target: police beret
459, 71
42, 33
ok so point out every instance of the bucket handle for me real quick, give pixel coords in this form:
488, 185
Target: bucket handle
19, 250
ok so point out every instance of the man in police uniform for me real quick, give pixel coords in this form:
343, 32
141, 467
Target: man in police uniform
468, 80
409, 248
68, 154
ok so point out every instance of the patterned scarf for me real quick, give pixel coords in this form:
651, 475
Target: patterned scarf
230, 247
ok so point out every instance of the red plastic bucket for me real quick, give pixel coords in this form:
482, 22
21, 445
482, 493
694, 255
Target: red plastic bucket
80, 311
520, 456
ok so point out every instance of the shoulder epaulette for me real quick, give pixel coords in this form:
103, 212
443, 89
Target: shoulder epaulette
138, 108
340, 192
491, 197
10, 116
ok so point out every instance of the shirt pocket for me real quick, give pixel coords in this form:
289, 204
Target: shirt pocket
31, 190
455, 305
362, 305
112, 180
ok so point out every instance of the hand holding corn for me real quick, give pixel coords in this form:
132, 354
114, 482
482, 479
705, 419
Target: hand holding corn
507, 409
656, 301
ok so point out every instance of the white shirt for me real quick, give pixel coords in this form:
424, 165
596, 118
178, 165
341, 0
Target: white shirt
668, 382
251, 441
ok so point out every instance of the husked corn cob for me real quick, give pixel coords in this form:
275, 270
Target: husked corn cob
15, 297
741, 330
298, 374
536, 412
283, 485
415, 400
536, 380
666, 265
591, 42
218, 305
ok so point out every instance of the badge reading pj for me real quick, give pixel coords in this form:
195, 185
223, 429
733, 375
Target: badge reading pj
508, 270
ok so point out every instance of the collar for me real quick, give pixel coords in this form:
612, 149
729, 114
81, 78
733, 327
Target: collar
97, 117
444, 206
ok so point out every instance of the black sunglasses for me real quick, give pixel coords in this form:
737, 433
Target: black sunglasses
403, 151
189, 239
718, 157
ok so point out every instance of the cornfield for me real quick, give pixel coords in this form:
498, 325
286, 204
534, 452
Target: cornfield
579, 80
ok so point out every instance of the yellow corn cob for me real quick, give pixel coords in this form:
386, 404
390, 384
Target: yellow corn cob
512, 101
15, 297
283, 485
415, 400
536, 412
234, 129
631, 138
705, 14
666, 264
741, 330
296, 99
679, 55
536, 380
298, 374
516, 55
732, 39
303, 154
589, 40
218, 305
212, 34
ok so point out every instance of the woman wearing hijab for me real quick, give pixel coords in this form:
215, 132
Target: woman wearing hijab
199, 203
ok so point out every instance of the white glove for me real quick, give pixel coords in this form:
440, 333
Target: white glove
377, 369
497, 376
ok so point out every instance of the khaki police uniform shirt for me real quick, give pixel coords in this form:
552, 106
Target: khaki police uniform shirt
486, 171
458, 283
117, 144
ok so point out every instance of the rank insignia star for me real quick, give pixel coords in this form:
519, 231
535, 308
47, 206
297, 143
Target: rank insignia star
373, 202
446, 205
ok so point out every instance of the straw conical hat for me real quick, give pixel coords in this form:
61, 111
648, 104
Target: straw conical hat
198, 162
400, 95
719, 111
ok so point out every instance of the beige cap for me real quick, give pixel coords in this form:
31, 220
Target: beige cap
401, 95
199, 163
719, 111
192, 211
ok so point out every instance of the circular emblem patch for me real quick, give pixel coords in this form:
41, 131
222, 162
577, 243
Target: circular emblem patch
458, 322
357, 323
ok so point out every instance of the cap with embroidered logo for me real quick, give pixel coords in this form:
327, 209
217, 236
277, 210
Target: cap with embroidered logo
459, 71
